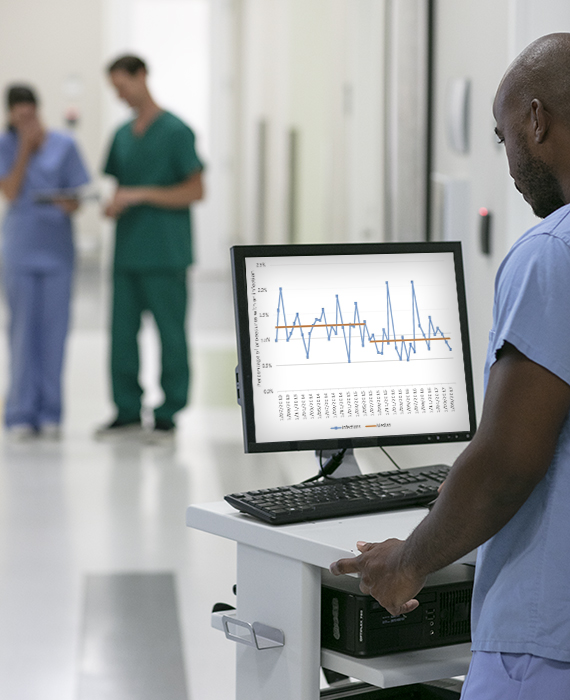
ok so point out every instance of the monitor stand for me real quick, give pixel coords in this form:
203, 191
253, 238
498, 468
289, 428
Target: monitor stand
348, 466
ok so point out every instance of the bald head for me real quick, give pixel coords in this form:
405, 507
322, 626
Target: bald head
532, 111
541, 71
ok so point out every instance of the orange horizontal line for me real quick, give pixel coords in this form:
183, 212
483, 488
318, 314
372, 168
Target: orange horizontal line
407, 340
370, 426
323, 325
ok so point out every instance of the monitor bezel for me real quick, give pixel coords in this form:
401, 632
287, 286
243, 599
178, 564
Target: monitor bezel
244, 370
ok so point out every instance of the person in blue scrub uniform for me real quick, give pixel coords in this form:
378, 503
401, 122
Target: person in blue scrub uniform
508, 493
37, 255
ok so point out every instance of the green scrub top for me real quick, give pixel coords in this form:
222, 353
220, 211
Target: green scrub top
149, 237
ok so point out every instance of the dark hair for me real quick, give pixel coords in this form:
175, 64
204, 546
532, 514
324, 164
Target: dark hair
129, 63
17, 94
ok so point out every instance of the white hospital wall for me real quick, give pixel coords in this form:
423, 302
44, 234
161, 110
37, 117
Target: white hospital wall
313, 69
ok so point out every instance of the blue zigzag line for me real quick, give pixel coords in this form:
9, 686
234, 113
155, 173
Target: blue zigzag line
404, 348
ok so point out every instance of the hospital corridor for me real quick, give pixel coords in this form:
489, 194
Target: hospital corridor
88, 526
141, 142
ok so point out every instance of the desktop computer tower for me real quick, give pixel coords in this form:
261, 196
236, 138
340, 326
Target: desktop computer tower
356, 624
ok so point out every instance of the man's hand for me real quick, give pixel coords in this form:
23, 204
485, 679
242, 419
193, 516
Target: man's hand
383, 575
124, 198
178, 196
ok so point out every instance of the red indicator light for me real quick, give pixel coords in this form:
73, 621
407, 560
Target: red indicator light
485, 230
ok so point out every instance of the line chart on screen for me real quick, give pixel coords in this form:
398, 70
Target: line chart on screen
356, 343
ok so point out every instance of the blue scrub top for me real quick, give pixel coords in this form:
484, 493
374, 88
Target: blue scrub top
39, 236
521, 600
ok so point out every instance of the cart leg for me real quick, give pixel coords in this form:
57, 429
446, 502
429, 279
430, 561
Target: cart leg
286, 594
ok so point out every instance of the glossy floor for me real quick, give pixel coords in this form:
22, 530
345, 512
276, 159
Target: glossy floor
76, 508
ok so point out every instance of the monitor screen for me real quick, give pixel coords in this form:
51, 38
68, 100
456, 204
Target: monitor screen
352, 345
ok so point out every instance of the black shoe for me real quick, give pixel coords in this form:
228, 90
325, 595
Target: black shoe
119, 428
163, 424
164, 429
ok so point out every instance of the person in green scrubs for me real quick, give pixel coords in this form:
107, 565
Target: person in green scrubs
159, 175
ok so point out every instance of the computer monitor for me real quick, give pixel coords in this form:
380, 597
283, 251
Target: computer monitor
352, 345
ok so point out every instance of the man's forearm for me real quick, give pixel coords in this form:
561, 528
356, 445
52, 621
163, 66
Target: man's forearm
477, 500
525, 408
170, 197
174, 197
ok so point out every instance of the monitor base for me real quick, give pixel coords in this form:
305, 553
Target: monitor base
347, 467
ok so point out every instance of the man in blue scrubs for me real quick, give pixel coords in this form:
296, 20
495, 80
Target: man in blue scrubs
509, 492
37, 256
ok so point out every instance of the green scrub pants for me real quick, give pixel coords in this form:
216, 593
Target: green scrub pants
163, 293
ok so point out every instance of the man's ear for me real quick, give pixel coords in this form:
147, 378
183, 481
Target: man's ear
540, 120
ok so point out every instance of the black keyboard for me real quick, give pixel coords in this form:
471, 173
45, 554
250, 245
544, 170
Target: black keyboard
350, 495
